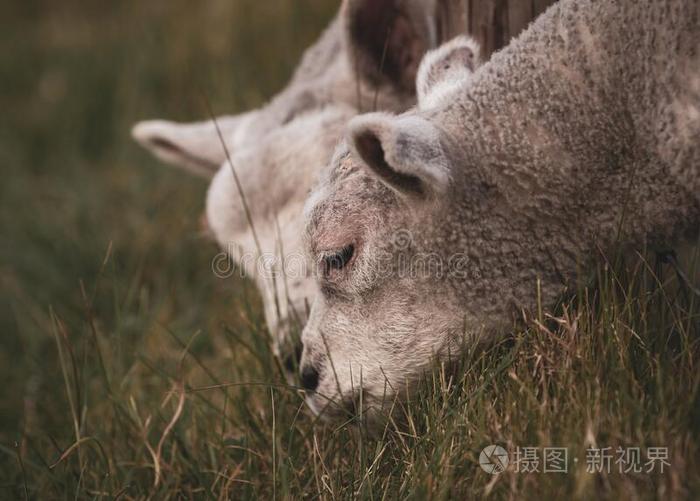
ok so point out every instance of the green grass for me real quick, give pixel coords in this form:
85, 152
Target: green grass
130, 371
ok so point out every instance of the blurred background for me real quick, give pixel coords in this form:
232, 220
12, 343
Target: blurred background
79, 200
109, 308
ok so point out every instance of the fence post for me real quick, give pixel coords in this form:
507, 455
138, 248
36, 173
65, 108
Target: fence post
494, 22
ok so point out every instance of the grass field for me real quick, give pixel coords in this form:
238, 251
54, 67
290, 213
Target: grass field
130, 371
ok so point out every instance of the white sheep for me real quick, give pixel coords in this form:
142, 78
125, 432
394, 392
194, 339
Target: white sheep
582, 136
366, 59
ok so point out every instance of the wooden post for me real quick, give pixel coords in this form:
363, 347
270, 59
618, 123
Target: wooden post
494, 22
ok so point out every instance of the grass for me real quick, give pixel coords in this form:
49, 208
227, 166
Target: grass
129, 371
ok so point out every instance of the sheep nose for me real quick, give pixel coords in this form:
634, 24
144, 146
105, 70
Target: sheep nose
309, 378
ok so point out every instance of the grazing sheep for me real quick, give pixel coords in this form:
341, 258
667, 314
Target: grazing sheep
446, 222
366, 59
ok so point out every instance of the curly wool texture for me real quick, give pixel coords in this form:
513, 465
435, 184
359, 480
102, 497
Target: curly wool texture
581, 135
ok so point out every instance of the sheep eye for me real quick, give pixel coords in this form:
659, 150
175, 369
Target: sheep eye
338, 260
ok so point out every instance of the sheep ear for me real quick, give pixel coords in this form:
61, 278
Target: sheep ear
405, 153
388, 38
196, 147
446, 70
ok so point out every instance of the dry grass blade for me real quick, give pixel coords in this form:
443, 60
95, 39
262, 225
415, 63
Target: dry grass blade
179, 389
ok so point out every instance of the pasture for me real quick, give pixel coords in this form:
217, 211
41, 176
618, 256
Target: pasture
130, 371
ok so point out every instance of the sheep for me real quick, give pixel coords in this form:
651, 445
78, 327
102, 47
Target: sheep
580, 137
366, 59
